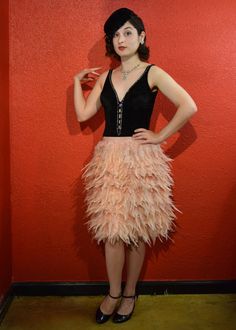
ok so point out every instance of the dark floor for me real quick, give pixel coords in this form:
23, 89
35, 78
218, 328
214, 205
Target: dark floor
164, 312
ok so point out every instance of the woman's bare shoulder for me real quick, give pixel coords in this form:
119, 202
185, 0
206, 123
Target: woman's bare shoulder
157, 74
154, 70
153, 74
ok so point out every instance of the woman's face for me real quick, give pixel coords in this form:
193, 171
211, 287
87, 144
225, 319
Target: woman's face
126, 40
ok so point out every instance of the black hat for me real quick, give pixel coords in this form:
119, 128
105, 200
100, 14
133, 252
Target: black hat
117, 19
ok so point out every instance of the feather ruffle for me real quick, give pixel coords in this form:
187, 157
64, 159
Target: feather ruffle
128, 192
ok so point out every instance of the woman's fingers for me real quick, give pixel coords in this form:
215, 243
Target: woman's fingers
146, 136
82, 74
139, 136
92, 70
98, 74
139, 133
140, 130
88, 79
99, 67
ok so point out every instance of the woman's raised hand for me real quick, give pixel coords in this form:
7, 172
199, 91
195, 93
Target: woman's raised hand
82, 76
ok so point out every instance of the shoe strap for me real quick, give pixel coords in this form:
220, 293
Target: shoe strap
129, 296
115, 297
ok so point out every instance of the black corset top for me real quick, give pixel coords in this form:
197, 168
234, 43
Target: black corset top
122, 117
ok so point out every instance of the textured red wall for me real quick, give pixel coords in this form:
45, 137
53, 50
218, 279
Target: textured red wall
50, 41
5, 225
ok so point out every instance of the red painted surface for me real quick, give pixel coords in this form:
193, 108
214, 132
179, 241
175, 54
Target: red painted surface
49, 43
5, 224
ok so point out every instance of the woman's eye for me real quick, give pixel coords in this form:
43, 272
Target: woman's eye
126, 33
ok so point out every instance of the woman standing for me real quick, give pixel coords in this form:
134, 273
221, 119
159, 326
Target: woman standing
128, 180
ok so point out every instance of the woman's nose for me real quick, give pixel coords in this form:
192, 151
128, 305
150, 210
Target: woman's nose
121, 38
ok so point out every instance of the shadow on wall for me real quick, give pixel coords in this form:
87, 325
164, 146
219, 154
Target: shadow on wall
86, 248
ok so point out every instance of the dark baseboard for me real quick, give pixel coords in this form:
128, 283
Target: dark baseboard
146, 287
101, 288
5, 304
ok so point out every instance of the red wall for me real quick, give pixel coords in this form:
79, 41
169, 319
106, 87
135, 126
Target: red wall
5, 228
50, 41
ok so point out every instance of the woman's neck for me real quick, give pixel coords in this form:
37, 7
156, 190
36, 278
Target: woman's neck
128, 63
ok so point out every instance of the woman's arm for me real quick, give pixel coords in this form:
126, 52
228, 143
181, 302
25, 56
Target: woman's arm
186, 107
85, 109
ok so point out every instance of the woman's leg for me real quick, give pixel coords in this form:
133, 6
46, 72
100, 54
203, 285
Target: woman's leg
135, 258
115, 257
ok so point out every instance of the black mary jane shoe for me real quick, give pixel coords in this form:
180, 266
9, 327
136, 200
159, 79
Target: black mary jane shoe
118, 318
100, 316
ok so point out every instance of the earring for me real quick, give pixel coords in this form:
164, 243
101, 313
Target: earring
142, 42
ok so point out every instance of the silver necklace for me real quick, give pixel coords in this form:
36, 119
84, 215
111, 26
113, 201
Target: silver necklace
125, 73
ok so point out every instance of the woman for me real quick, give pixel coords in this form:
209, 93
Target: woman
128, 180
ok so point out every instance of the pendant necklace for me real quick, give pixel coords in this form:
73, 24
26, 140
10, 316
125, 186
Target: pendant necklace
125, 73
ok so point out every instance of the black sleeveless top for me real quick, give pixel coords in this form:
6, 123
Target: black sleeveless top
133, 111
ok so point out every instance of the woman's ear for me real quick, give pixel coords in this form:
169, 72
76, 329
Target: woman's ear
142, 37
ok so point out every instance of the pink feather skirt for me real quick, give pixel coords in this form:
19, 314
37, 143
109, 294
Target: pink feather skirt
129, 192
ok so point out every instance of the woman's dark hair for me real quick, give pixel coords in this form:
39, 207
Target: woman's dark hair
143, 50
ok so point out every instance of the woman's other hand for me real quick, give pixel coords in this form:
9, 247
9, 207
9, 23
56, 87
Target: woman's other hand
146, 136
83, 76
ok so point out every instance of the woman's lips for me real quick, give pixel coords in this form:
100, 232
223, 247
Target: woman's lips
121, 48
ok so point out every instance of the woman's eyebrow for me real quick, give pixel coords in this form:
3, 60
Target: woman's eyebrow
128, 27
